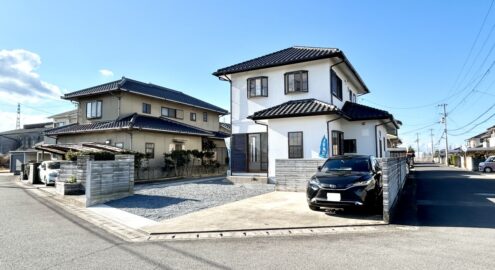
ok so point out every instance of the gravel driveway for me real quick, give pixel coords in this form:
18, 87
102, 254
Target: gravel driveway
169, 200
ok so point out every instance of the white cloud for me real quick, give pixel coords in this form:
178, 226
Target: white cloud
9, 119
106, 73
18, 80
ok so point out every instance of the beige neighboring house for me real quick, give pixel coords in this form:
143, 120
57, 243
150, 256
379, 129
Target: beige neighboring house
65, 118
142, 117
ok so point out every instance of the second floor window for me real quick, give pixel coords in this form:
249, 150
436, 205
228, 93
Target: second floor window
93, 109
205, 117
258, 87
336, 84
146, 108
172, 113
193, 117
296, 82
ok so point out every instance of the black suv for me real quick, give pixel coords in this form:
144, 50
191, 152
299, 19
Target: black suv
346, 181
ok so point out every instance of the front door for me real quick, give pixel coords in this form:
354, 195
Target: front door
254, 151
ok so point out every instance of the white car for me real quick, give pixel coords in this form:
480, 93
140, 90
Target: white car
49, 171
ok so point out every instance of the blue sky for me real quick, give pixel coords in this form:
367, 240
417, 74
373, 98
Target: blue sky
409, 53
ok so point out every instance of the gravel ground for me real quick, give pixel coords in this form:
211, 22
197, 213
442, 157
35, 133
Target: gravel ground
165, 201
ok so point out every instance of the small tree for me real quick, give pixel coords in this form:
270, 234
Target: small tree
178, 159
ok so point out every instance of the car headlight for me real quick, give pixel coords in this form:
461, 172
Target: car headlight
482, 163
362, 183
314, 183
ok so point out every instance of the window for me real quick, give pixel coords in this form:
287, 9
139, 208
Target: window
205, 117
337, 143
350, 146
146, 108
119, 144
295, 144
172, 113
193, 116
179, 146
336, 84
149, 150
59, 124
93, 109
257, 87
296, 82
350, 95
354, 98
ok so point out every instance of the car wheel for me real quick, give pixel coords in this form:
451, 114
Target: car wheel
488, 170
314, 208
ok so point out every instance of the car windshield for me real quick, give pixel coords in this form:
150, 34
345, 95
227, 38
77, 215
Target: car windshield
346, 164
54, 165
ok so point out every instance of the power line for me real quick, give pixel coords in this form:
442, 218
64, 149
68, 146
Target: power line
473, 45
477, 125
418, 129
491, 107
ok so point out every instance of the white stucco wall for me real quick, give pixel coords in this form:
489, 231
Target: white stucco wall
313, 128
318, 88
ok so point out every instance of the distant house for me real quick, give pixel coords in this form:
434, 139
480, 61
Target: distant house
65, 118
288, 104
141, 117
19, 143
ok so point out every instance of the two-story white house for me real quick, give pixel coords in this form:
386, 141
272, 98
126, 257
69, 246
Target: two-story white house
300, 103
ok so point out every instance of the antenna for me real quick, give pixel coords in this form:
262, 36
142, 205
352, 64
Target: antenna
18, 120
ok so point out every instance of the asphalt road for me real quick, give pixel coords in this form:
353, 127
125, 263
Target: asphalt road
37, 235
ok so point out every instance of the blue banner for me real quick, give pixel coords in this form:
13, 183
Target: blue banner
324, 147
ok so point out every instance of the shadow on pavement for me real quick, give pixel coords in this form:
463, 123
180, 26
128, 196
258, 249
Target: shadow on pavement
435, 195
147, 201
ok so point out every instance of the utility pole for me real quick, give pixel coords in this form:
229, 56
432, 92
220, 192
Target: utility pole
417, 143
432, 147
445, 131
18, 120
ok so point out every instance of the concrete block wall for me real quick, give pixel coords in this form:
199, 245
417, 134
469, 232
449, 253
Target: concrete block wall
394, 175
109, 180
67, 169
81, 173
294, 174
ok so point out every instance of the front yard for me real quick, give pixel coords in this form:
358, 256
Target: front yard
169, 200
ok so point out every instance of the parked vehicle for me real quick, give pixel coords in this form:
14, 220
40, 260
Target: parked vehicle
488, 165
345, 182
49, 171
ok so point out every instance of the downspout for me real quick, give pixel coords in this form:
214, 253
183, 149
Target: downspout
267, 146
328, 133
227, 79
331, 66
376, 136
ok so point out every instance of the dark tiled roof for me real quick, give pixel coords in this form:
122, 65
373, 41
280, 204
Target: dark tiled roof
220, 135
226, 125
295, 108
134, 121
283, 57
292, 55
355, 112
307, 107
147, 89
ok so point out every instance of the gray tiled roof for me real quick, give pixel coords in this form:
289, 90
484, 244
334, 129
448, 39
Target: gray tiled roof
308, 107
147, 89
294, 108
355, 112
292, 55
283, 57
133, 121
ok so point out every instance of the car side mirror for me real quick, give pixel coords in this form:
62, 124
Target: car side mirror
319, 168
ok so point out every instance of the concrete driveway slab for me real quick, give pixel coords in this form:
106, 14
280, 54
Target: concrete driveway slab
274, 210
